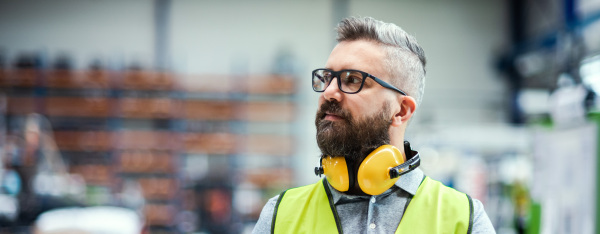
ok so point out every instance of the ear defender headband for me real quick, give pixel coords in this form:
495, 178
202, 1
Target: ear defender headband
377, 173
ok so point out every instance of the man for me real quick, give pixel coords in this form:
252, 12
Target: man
370, 87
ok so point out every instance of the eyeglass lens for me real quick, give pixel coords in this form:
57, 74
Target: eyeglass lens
350, 81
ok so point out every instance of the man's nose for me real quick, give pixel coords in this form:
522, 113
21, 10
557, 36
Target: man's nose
333, 92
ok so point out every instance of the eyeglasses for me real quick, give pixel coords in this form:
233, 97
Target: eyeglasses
349, 81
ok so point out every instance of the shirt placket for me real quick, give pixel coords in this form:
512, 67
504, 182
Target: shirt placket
372, 226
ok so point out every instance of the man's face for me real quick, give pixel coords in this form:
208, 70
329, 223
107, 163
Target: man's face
351, 125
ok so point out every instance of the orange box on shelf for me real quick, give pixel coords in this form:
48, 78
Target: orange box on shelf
78, 107
209, 110
264, 177
133, 161
61, 79
67, 79
159, 214
21, 105
158, 188
211, 143
149, 107
269, 145
4, 78
270, 84
84, 140
99, 79
268, 111
19, 77
147, 140
147, 80
208, 83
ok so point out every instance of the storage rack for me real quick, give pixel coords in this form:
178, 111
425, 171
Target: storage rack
152, 127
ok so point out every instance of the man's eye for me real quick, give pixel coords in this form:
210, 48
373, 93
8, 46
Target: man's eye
353, 79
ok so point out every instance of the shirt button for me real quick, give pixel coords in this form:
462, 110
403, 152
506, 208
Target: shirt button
372, 199
372, 226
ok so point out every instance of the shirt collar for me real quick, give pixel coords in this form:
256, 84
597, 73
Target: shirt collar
408, 182
411, 181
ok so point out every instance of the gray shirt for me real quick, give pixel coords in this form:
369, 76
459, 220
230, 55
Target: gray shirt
371, 214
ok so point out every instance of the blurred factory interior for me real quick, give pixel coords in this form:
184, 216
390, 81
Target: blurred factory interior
186, 116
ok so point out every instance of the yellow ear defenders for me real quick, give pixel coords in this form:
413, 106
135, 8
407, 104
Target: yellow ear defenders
377, 172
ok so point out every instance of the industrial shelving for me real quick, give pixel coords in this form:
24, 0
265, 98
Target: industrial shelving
154, 128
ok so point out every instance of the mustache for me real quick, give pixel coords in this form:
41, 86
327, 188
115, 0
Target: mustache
332, 107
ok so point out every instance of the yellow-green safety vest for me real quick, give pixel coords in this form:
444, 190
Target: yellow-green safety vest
435, 208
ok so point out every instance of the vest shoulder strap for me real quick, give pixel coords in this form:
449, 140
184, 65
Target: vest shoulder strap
436, 208
306, 209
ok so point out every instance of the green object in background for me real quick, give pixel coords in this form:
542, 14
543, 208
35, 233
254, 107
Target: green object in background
594, 116
535, 218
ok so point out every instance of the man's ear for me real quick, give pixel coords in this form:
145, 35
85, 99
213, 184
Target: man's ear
408, 105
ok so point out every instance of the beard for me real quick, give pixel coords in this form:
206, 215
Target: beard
350, 137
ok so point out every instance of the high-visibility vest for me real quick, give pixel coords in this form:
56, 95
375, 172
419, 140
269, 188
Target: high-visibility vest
435, 208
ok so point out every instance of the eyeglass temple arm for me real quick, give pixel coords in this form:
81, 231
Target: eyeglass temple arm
385, 84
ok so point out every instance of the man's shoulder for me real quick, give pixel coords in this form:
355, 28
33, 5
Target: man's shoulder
272, 202
481, 221
263, 225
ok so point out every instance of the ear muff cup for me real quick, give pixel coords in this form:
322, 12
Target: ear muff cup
373, 173
336, 172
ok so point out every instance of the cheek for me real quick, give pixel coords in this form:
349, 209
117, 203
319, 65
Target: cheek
365, 106
358, 109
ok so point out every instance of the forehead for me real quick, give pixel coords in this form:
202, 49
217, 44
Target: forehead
361, 55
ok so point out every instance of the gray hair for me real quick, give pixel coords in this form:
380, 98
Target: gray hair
405, 58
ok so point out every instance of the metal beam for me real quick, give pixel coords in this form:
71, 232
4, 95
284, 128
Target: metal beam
162, 10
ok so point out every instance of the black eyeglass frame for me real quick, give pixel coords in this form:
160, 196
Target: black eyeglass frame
336, 74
